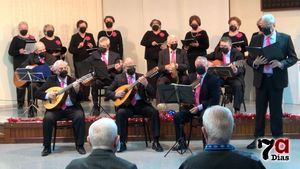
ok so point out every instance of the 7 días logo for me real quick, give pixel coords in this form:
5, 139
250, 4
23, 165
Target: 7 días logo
280, 145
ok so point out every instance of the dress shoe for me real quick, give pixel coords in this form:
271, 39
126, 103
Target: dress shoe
80, 150
95, 110
122, 147
46, 151
252, 145
157, 147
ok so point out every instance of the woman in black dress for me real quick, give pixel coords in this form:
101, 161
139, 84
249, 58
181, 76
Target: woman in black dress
200, 44
80, 42
239, 39
154, 41
115, 37
19, 55
52, 43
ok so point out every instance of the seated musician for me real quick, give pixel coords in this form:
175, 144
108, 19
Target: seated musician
69, 109
106, 64
227, 55
172, 64
137, 103
207, 93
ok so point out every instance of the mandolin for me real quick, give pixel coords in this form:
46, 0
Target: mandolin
128, 88
61, 92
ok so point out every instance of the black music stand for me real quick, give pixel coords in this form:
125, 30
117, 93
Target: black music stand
176, 93
31, 77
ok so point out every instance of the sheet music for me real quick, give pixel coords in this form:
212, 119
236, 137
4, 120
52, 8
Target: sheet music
29, 48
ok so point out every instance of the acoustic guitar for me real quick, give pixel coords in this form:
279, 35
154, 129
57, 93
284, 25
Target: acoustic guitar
61, 92
128, 88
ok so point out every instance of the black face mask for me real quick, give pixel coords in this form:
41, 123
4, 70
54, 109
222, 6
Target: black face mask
108, 24
23, 32
266, 31
224, 50
50, 33
259, 27
82, 29
131, 71
102, 49
155, 27
42, 54
63, 74
174, 46
232, 28
194, 26
200, 70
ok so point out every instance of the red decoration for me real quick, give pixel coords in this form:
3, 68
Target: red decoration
239, 35
161, 34
31, 37
58, 42
87, 38
114, 34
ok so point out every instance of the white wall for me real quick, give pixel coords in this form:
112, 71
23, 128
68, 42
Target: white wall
63, 14
286, 21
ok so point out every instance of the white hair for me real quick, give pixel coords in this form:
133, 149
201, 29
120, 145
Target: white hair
269, 19
22, 23
171, 38
56, 64
202, 59
102, 133
218, 123
104, 39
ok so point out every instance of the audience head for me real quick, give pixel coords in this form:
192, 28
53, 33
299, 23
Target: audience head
103, 134
60, 68
234, 23
268, 24
23, 28
155, 25
104, 44
48, 30
172, 42
218, 125
225, 44
109, 21
81, 26
201, 65
194, 22
40, 49
129, 66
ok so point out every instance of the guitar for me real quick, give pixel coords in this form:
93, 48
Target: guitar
61, 92
238, 63
113, 65
128, 88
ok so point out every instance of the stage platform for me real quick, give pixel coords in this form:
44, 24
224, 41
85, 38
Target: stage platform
31, 131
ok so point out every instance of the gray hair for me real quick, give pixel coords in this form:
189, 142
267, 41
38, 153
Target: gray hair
269, 19
22, 23
171, 38
218, 123
54, 67
102, 133
202, 59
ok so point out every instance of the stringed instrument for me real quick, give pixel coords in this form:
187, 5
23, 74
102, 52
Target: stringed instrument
238, 63
61, 92
128, 88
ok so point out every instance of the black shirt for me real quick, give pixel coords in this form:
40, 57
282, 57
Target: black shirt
116, 42
203, 41
79, 54
151, 52
237, 38
51, 44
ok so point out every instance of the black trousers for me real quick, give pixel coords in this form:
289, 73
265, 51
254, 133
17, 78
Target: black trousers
80, 70
141, 108
238, 91
266, 95
73, 113
98, 84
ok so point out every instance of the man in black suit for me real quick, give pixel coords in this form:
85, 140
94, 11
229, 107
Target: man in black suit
104, 139
217, 129
69, 109
227, 55
207, 93
270, 77
172, 64
137, 103
106, 64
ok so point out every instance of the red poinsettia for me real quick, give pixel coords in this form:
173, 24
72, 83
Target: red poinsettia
239, 35
114, 34
87, 38
58, 42
161, 34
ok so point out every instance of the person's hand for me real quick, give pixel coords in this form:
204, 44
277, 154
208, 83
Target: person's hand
56, 54
195, 44
238, 48
76, 85
90, 45
186, 47
22, 51
52, 95
154, 43
143, 80
260, 60
120, 94
234, 68
30, 66
276, 63
118, 66
81, 44
163, 46
194, 110
169, 68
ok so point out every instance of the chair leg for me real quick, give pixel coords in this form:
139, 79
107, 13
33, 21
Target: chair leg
190, 132
244, 106
148, 132
145, 132
54, 136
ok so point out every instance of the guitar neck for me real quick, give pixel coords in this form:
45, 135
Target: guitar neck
65, 88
